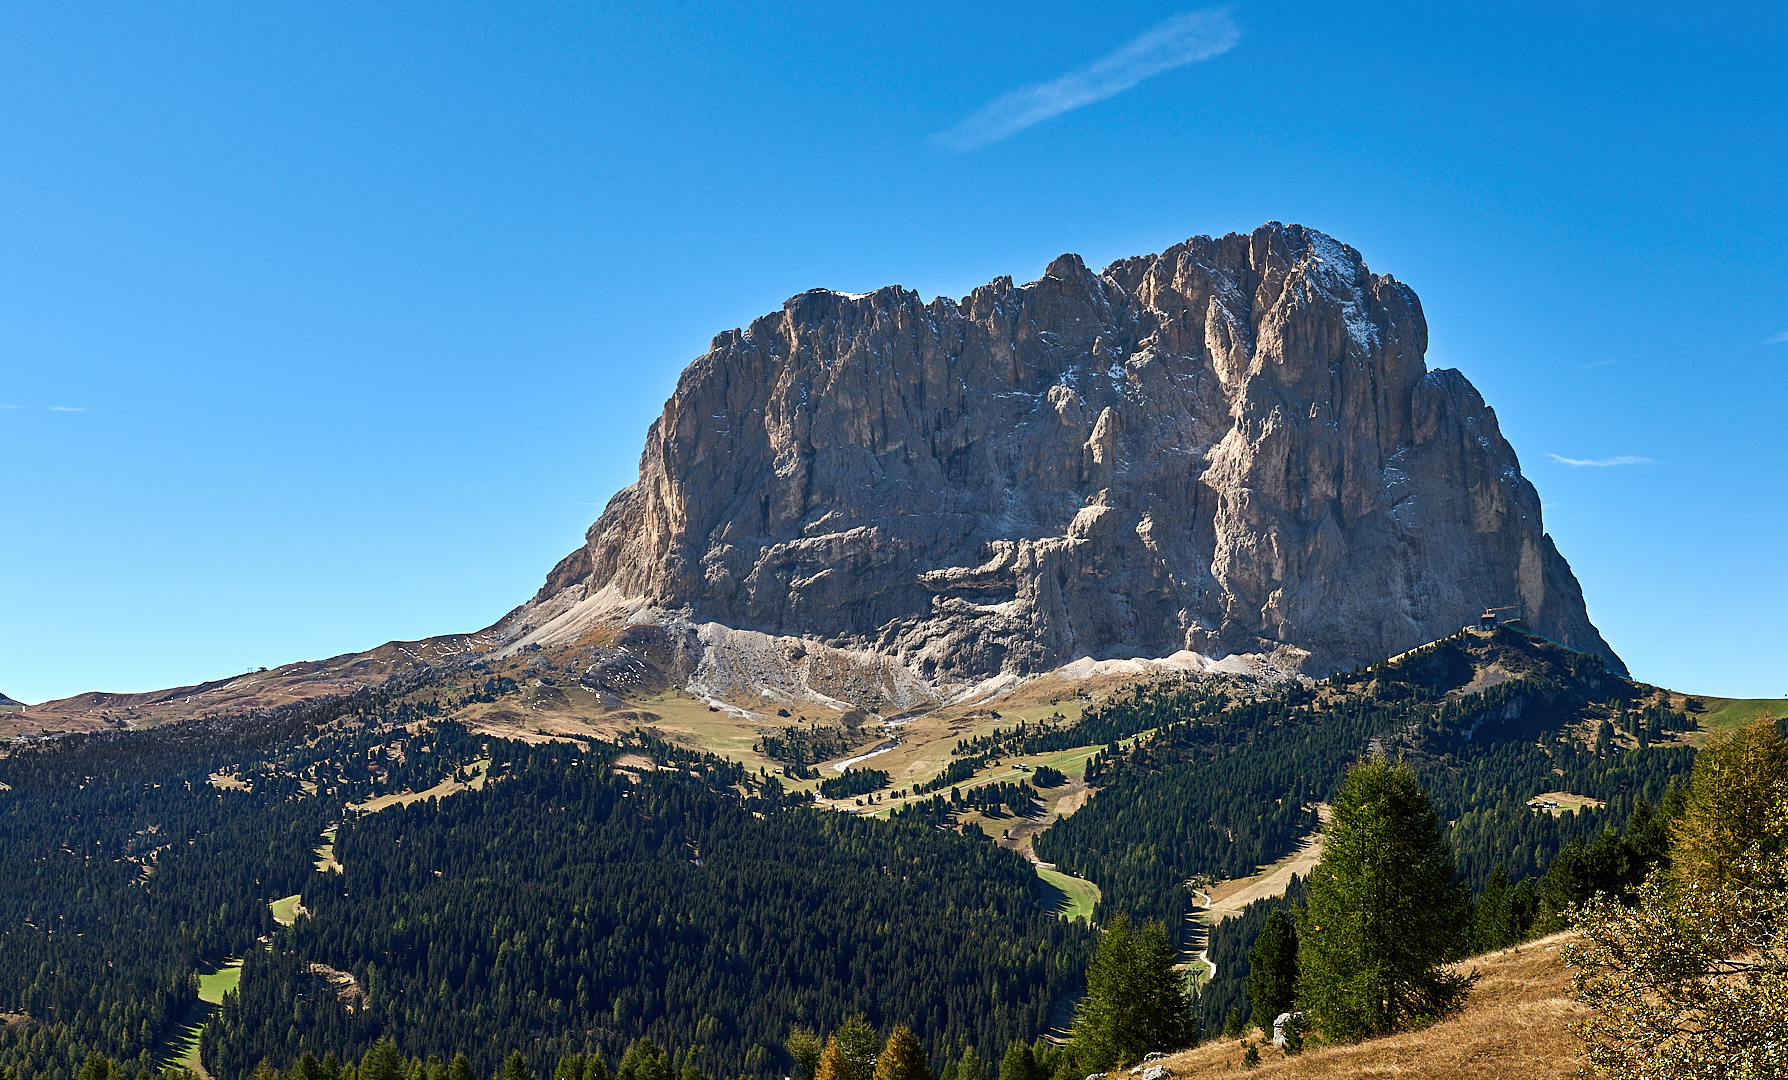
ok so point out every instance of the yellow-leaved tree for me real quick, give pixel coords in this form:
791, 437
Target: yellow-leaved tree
1692, 982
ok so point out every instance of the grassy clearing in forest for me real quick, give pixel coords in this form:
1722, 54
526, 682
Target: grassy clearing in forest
183, 1048
285, 909
1078, 894
326, 854
214, 985
447, 787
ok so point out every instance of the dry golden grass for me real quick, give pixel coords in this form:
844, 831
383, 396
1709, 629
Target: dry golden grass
441, 790
1517, 1026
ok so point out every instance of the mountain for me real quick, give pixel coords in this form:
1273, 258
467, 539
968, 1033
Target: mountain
1234, 447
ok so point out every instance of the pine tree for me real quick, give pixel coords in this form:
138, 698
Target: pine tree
1233, 1026
96, 1067
570, 1067
459, 1069
804, 1046
850, 1052
1018, 1063
1273, 970
382, 1062
1135, 1002
1383, 913
970, 1066
903, 1058
516, 1067
644, 1060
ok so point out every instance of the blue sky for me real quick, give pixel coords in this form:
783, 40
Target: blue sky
327, 324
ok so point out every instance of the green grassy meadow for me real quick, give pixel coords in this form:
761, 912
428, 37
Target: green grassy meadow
183, 1048
285, 909
1724, 714
1077, 894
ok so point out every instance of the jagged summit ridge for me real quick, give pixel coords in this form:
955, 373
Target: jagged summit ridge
1234, 446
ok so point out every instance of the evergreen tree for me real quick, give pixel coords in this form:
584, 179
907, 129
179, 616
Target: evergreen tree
570, 1067
1018, 1063
1136, 1002
96, 1067
308, 1068
903, 1058
1232, 1027
1383, 911
1273, 970
1503, 913
970, 1067
689, 1068
382, 1062
644, 1060
804, 1046
459, 1069
850, 1052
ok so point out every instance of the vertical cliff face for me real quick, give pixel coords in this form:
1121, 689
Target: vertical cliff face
1231, 447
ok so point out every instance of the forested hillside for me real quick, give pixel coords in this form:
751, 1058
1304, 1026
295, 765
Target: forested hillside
1216, 792
582, 898
593, 894
126, 870
569, 907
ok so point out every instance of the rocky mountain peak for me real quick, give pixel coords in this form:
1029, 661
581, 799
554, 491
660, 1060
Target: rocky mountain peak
1232, 447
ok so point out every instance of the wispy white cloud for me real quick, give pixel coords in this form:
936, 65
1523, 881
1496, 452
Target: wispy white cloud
1597, 364
1181, 40
1602, 463
11, 406
1776, 339
66, 408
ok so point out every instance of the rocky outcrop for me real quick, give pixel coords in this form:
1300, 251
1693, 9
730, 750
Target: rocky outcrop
1231, 447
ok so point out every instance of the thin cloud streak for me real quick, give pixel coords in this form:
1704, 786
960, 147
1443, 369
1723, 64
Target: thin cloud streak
1181, 40
1597, 364
1623, 459
1776, 339
66, 408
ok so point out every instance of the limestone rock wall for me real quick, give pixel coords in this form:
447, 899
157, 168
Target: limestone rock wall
1231, 447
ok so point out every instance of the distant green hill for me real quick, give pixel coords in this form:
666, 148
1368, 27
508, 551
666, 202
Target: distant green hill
1719, 714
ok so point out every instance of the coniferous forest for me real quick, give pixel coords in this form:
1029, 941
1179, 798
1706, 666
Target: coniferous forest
1214, 790
568, 899
570, 908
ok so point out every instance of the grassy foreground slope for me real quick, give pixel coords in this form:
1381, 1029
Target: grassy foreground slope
1517, 1024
